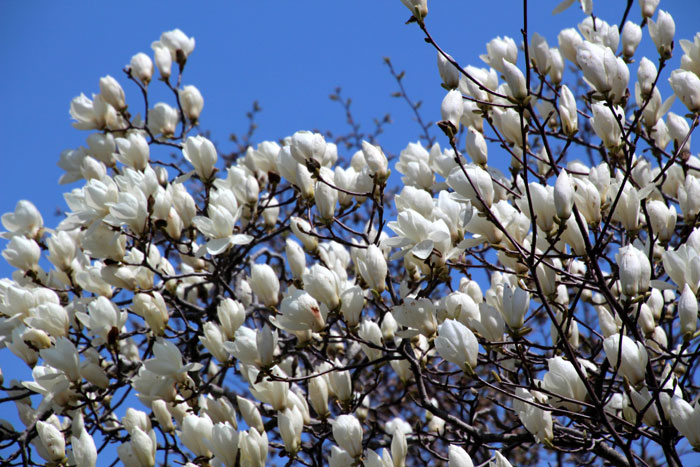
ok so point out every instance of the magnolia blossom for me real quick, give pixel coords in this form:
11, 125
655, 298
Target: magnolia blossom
607, 74
457, 344
563, 380
419, 8
192, 102
686, 85
178, 44
629, 357
26, 220
339, 302
635, 270
661, 32
141, 67
498, 50
373, 268
537, 421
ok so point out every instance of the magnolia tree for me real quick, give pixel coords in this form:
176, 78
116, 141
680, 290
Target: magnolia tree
288, 307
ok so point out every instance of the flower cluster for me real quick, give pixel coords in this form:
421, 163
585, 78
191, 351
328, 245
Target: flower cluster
304, 303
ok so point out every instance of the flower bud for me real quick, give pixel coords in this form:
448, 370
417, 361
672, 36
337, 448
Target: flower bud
631, 37
688, 311
265, 284
556, 65
457, 344
476, 146
307, 145
163, 119
679, 131
224, 443
686, 85
448, 73
196, 434
568, 111
52, 439
163, 59
515, 79
630, 358
253, 448
606, 125
192, 102
352, 302
84, 449
563, 380
451, 108
662, 32
291, 424
458, 457
516, 302
635, 271
144, 447
569, 41
112, 92
322, 284
399, 447
646, 75
563, 196
373, 268
539, 54
376, 161
213, 341
370, 332
318, 396
662, 219
296, 258
250, 413
141, 67
648, 7
347, 432
474, 184
160, 410
325, 196
607, 74
301, 229
231, 315
340, 383
536, 421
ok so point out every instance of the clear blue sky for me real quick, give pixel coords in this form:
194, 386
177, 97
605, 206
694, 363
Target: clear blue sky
288, 55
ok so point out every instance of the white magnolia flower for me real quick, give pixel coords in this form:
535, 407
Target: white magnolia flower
662, 31
457, 344
192, 102
536, 420
419, 8
167, 361
606, 73
347, 432
179, 45
498, 50
141, 67
26, 220
629, 357
563, 380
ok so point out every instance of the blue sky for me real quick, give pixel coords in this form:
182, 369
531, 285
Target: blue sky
288, 55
